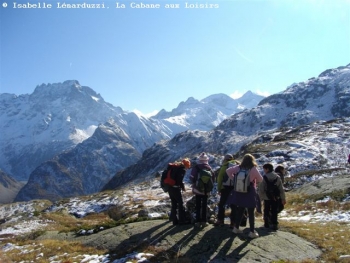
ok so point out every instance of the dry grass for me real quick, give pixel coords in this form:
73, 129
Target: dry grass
49, 250
331, 237
30, 250
65, 223
299, 202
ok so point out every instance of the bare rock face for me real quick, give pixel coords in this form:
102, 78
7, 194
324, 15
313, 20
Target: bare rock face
9, 188
325, 186
188, 244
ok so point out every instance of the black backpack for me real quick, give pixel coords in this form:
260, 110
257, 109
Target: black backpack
272, 191
226, 180
168, 178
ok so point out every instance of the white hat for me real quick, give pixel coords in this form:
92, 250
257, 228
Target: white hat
203, 158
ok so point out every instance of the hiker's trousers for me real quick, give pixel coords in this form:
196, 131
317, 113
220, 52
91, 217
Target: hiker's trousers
224, 193
176, 204
201, 208
270, 212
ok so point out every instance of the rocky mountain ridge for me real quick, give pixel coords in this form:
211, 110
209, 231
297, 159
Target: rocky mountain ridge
54, 118
314, 155
323, 98
207, 113
78, 137
302, 103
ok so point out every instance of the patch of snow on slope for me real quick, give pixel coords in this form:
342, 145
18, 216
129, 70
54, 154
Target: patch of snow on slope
81, 208
95, 98
180, 120
81, 135
24, 227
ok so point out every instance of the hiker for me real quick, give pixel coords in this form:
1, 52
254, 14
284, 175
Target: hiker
273, 199
245, 197
225, 186
201, 191
281, 172
175, 193
349, 159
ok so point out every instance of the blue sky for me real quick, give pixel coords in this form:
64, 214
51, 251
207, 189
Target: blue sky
152, 59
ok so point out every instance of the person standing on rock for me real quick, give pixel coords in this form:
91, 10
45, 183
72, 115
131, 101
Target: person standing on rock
175, 195
225, 186
272, 192
245, 198
200, 189
349, 159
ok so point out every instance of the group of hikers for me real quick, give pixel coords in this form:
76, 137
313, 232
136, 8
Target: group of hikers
240, 186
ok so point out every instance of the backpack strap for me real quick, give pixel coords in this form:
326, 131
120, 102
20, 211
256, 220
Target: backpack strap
265, 179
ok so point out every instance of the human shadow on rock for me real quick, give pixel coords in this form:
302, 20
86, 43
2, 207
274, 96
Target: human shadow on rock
215, 244
141, 240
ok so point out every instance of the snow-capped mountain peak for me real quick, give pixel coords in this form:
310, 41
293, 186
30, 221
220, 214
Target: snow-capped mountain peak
207, 113
318, 99
65, 119
54, 118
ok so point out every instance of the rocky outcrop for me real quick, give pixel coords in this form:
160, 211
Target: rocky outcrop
326, 186
187, 244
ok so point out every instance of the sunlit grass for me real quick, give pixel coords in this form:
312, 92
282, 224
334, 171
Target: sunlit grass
332, 238
49, 250
64, 222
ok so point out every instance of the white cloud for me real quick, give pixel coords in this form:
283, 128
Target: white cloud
152, 113
236, 94
148, 115
263, 93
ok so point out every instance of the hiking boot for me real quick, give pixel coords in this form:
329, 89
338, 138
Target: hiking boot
219, 223
266, 225
237, 231
232, 226
274, 227
253, 234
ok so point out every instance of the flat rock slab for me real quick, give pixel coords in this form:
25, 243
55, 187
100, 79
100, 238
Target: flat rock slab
186, 243
326, 185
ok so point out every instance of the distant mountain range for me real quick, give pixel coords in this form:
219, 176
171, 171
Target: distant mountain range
65, 140
65, 160
323, 98
206, 114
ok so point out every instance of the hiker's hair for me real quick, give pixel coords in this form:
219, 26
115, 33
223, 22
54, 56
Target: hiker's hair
279, 169
268, 167
248, 161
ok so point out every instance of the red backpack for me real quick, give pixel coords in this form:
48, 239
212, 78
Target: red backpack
168, 177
